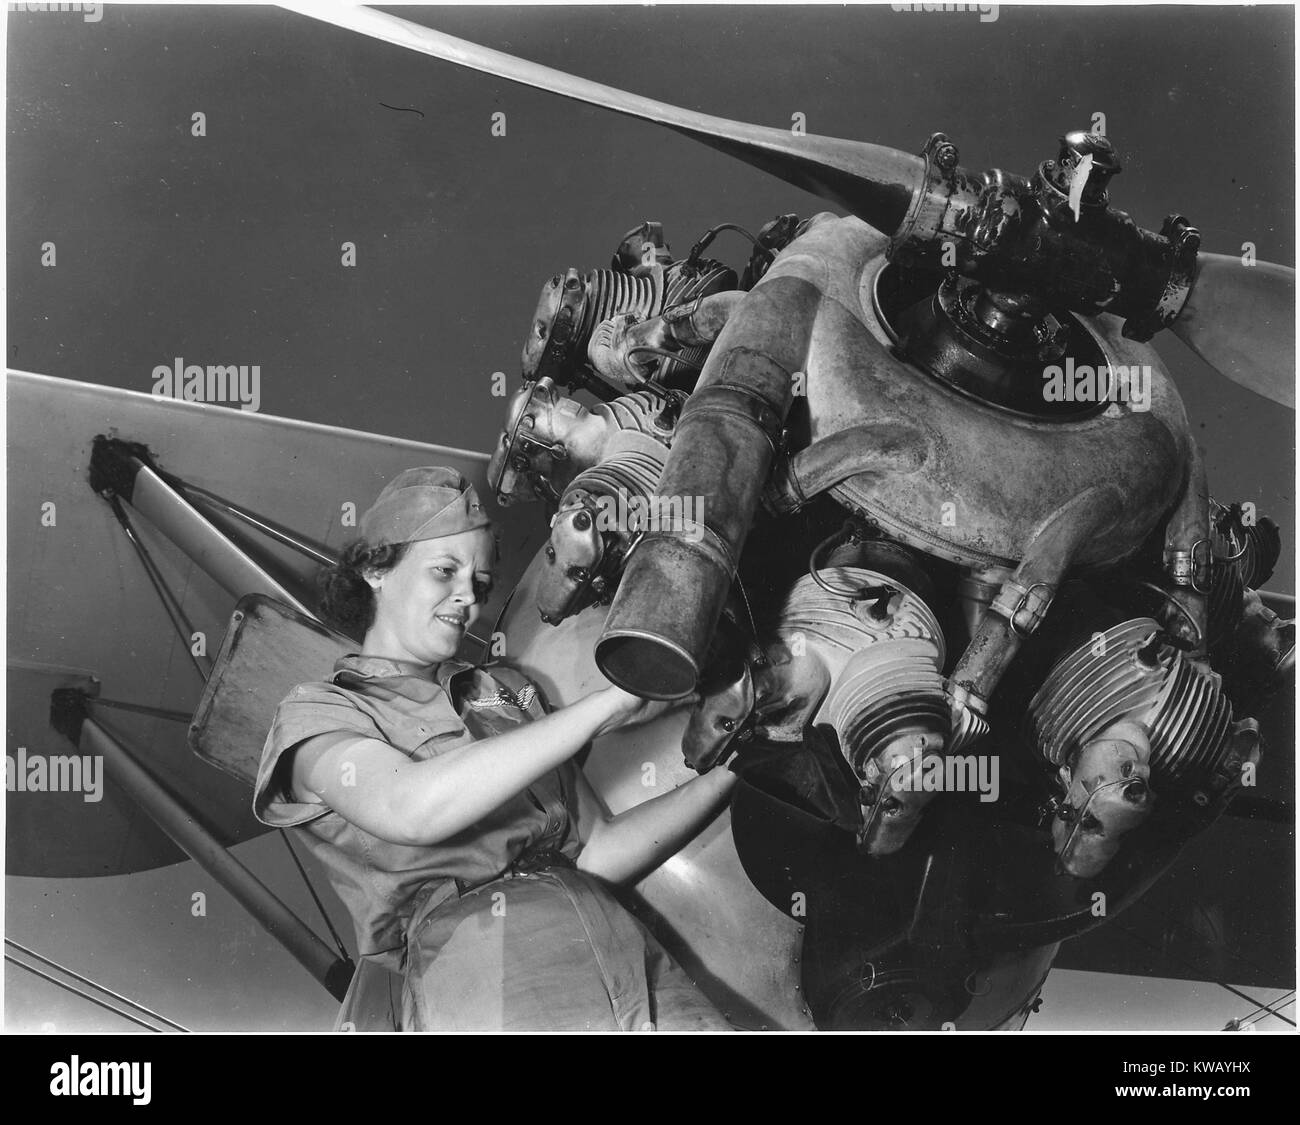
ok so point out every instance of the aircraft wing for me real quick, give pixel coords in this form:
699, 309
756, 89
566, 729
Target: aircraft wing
81, 604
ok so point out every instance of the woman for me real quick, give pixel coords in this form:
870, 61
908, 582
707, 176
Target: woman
445, 804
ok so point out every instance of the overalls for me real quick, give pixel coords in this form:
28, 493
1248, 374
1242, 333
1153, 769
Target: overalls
493, 928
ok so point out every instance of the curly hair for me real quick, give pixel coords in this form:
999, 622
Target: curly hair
347, 601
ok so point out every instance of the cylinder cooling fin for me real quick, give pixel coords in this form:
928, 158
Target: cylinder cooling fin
1125, 718
1248, 542
1223, 613
887, 702
840, 619
599, 516
611, 291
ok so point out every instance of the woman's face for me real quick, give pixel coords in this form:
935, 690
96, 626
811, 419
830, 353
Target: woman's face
425, 603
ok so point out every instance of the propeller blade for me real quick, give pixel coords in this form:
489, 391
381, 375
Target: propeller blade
874, 182
1241, 320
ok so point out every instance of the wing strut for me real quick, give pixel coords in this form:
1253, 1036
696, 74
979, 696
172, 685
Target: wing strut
123, 471
69, 716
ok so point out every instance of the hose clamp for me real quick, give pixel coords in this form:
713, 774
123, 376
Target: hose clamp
1186, 568
1015, 601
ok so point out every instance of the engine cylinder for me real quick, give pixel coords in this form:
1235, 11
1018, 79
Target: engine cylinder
600, 514
1130, 673
887, 702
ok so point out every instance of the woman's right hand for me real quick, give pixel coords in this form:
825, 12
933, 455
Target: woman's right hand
628, 710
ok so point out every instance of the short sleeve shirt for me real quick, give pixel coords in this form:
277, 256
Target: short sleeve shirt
422, 711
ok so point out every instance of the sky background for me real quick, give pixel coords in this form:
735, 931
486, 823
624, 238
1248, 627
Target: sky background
225, 249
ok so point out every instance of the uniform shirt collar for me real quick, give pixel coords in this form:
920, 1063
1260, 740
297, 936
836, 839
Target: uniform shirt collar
366, 667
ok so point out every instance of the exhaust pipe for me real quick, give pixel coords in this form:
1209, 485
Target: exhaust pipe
679, 575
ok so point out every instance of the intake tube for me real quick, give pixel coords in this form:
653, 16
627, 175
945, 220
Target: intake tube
679, 574
1187, 566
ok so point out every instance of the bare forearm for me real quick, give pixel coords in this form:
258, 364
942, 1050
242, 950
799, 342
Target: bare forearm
630, 845
427, 801
468, 783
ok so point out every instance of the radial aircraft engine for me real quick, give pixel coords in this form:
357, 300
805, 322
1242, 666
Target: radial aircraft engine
959, 371
963, 387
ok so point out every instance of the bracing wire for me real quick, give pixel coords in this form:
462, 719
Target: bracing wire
1263, 1014
77, 992
1197, 969
90, 983
170, 603
142, 709
255, 521
338, 942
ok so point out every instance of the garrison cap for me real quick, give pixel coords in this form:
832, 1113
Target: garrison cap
424, 503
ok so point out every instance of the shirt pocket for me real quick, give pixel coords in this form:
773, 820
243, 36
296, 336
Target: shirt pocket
428, 736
